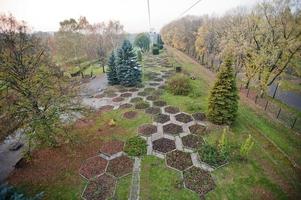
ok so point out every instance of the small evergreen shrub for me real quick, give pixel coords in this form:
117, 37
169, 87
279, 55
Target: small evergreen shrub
135, 146
112, 70
179, 85
8, 192
139, 55
212, 156
155, 50
246, 147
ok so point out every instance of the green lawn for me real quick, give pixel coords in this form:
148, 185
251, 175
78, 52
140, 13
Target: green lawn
159, 182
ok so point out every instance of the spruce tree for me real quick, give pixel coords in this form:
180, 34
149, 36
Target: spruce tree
129, 70
223, 97
112, 70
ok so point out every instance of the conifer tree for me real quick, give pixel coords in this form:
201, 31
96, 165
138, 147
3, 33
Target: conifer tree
112, 70
223, 97
129, 70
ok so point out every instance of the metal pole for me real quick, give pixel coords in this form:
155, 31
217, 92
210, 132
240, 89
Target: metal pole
266, 105
256, 99
278, 113
275, 90
294, 122
248, 92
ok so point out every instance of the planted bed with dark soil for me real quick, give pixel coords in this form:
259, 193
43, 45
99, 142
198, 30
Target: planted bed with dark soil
130, 114
117, 99
184, 118
192, 141
93, 167
197, 129
164, 145
101, 188
147, 129
153, 110
127, 94
125, 106
152, 98
133, 89
111, 147
199, 116
150, 89
136, 99
105, 108
172, 129
142, 105
172, 109
159, 103
142, 94
161, 118
198, 180
179, 160
120, 166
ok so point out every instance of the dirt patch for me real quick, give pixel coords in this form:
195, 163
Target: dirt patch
130, 114
111, 147
142, 105
147, 129
93, 167
122, 90
192, 141
152, 98
83, 122
153, 110
105, 108
111, 95
101, 188
154, 84
262, 193
179, 160
164, 145
172, 109
158, 79
99, 96
125, 95
198, 180
118, 99
161, 118
197, 129
172, 129
120, 166
133, 89
150, 89
125, 106
184, 118
136, 99
199, 116
143, 94
160, 103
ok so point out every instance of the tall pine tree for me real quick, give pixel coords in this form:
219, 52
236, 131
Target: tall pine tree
223, 97
112, 70
129, 70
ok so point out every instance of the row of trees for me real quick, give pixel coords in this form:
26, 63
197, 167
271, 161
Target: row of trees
265, 40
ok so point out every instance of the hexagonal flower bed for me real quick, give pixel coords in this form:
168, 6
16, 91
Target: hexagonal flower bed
153, 110
133, 89
161, 118
135, 146
127, 94
142, 94
184, 118
130, 114
125, 106
147, 129
154, 84
192, 141
160, 103
93, 167
172, 109
152, 98
197, 129
120, 166
111, 147
136, 99
141, 105
118, 99
198, 180
172, 129
105, 108
101, 188
150, 89
179, 160
164, 145
199, 116
111, 94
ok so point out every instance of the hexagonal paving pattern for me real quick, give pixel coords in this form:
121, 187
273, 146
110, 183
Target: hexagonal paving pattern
125, 106
192, 141
136, 99
142, 94
197, 129
152, 98
159, 103
120, 166
184, 118
161, 118
199, 116
127, 94
171, 109
118, 99
111, 147
198, 180
153, 110
164, 145
172, 128
93, 167
179, 160
101, 188
147, 129
130, 114
141, 105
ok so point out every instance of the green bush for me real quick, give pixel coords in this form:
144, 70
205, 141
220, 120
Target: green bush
135, 146
246, 147
155, 50
139, 55
212, 156
179, 85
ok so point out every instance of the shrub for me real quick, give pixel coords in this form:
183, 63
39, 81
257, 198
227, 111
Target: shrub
155, 50
9, 192
246, 147
223, 99
135, 146
212, 156
179, 85
139, 55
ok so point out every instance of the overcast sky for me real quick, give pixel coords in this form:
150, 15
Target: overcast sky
45, 15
